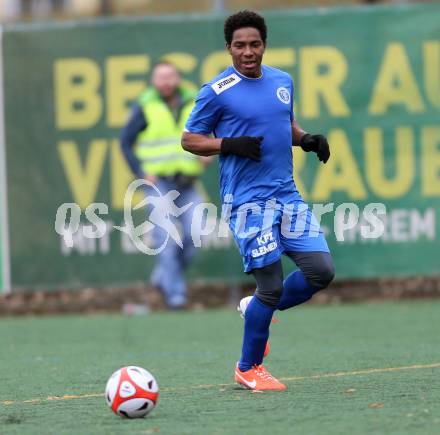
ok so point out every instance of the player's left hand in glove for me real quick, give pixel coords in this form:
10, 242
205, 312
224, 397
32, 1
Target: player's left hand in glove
316, 143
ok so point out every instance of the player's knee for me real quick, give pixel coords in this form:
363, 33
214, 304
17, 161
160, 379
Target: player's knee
326, 276
322, 274
270, 296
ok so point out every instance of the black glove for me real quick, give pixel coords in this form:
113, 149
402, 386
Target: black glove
316, 143
244, 146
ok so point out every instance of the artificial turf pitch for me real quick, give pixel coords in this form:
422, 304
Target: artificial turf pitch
349, 369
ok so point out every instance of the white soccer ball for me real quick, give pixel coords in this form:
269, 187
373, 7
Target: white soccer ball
131, 392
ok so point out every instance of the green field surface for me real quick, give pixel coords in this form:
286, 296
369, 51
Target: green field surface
349, 369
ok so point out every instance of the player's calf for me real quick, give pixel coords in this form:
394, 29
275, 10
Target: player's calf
242, 307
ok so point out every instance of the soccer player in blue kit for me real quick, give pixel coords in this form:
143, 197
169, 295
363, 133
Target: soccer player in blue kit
248, 108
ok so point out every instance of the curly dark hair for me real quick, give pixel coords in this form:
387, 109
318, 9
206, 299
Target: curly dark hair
244, 19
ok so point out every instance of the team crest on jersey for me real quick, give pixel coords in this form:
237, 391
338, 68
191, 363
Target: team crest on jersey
283, 95
225, 83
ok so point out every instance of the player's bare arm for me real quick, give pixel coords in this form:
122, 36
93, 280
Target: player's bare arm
243, 146
310, 142
201, 144
297, 133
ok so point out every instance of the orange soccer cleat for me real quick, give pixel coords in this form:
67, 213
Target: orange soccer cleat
258, 378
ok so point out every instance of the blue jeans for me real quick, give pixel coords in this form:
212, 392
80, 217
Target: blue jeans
169, 271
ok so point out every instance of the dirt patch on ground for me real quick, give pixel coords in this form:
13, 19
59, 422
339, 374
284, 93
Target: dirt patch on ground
203, 295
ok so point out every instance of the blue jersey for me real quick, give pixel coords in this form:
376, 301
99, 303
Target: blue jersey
233, 105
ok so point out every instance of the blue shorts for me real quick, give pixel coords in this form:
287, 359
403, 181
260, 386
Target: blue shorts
264, 232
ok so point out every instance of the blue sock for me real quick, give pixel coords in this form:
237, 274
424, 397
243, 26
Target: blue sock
296, 291
256, 332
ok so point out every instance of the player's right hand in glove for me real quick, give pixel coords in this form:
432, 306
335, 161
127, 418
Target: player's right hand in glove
244, 146
316, 143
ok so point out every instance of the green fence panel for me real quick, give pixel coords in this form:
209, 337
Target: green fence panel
2, 279
368, 78
4, 246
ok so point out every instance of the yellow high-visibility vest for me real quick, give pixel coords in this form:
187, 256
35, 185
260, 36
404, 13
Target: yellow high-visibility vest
158, 146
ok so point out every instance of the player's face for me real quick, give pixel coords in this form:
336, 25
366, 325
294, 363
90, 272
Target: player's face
247, 49
165, 79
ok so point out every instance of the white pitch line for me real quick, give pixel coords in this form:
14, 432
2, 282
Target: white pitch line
207, 386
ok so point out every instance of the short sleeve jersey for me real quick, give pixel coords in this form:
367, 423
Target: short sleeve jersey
233, 105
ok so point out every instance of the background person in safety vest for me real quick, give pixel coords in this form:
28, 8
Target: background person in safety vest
150, 142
